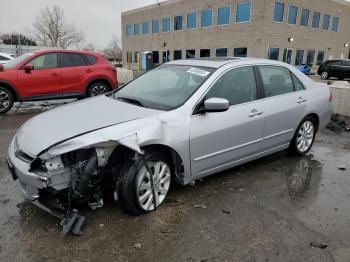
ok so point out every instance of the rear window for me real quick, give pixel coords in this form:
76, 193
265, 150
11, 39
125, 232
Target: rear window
90, 59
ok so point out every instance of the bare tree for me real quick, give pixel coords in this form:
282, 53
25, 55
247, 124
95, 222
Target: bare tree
113, 50
89, 47
51, 30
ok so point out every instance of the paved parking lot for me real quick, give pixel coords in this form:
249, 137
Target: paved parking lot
268, 210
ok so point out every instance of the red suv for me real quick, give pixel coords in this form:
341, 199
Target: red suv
55, 74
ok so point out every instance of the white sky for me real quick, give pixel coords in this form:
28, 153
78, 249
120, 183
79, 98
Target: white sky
98, 19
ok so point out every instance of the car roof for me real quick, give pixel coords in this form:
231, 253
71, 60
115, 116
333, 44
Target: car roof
221, 61
43, 51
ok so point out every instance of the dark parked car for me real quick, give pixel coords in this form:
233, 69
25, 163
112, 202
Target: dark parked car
55, 74
335, 68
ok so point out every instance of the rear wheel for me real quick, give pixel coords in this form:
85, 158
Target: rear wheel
134, 185
96, 89
6, 100
324, 75
304, 136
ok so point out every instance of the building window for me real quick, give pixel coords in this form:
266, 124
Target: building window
221, 52
279, 12
178, 23
320, 57
305, 17
177, 54
128, 30
287, 55
166, 24
135, 57
205, 53
325, 25
155, 57
243, 12
292, 15
224, 15
190, 54
240, 52
191, 20
128, 57
207, 18
273, 53
310, 57
335, 24
145, 28
316, 20
299, 57
155, 26
137, 29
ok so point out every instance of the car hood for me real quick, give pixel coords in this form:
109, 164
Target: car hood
75, 119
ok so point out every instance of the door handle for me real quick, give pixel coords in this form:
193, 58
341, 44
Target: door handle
54, 74
255, 112
301, 100
88, 71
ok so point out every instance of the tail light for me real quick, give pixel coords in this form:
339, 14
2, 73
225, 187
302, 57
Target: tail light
330, 96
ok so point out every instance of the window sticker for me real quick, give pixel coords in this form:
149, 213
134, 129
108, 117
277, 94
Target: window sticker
198, 71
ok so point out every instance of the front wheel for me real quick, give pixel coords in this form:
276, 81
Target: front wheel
6, 100
97, 89
304, 137
134, 184
324, 75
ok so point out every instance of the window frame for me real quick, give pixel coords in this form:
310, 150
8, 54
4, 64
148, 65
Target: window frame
58, 61
190, 50
155, 21
337, 28
269, 53
296, 56
319, 20
168, 19
221, 48
323, 22
131, 30
259, 88
195, 20
262, 85
296, 15
229, 15
250, 12
176, 23
308, 17
212, 16
317, 57
144, 26
274, 12
236, 48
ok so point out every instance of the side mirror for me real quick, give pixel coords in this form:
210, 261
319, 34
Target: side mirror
28, 68
1, 67
216, 104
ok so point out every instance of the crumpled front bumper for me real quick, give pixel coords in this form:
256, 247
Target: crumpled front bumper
29, 182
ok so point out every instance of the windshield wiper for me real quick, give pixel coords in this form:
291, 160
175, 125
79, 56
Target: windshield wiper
130, 101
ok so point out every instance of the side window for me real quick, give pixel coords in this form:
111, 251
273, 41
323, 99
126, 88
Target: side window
90, 59
298, 86
346, 63
237, 86
45, 61
71, 60
4, 58
277, 80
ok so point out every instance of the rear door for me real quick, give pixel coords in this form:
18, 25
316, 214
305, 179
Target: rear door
285, 105
220, 140
44, 80
74, 70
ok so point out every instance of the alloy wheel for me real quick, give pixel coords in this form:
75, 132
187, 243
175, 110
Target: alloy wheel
324, 75
305, 136
4, 100
98, 90
161, 178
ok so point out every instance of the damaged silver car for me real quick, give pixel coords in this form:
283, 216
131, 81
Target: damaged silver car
180, 122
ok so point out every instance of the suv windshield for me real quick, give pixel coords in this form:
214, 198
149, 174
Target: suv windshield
165, 88
15, 62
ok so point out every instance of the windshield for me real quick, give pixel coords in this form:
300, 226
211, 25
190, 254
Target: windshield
15, 62
165, 88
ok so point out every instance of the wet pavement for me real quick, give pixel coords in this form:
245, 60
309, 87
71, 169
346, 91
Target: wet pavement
267, 210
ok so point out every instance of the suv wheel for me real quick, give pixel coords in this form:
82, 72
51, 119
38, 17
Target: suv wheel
324, 75
304, 137
97, 89
6, 100
134, 184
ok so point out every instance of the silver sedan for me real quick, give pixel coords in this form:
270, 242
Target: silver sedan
180, 122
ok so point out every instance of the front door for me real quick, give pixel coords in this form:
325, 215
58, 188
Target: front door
221, 140
44, 80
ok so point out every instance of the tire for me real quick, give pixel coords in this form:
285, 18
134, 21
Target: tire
134, 188
303, 140
324, 75
98, 88
6, 100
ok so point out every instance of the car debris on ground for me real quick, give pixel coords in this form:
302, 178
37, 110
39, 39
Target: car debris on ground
318, 245
342, 167
338, 124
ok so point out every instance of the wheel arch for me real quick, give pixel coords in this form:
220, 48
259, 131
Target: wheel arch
11, 88
98, 80
316, 118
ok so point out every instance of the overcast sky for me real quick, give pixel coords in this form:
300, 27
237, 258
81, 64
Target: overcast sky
98, 19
